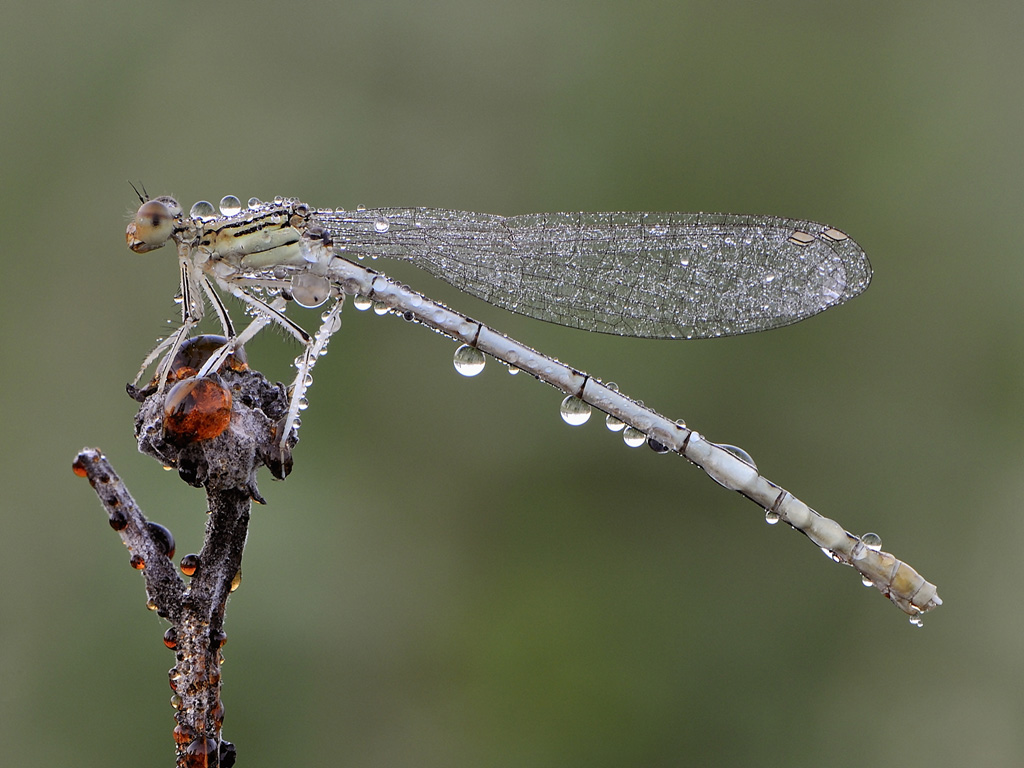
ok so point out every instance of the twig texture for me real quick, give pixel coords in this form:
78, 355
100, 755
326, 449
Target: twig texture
226, 466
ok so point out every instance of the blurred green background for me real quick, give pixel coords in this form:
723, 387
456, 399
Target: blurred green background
452, 576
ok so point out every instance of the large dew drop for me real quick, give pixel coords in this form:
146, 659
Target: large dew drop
633, 437
230, 205
203, 210
872, 541
575, 411
869, 542
739, 453
469, 361
310, 290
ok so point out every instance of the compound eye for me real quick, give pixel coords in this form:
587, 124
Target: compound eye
152, 227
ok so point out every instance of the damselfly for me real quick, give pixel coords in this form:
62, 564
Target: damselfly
651, 275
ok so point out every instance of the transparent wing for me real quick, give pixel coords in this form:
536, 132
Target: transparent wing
653, 275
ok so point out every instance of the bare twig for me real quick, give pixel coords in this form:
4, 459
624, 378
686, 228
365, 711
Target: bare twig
226, 465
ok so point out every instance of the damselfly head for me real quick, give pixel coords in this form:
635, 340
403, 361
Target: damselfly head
153, 224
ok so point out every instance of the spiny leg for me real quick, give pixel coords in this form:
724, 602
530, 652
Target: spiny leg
174, 340
273, 311
264, 313
220, 309
192, 310
313, 347
330, 323
214, 362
